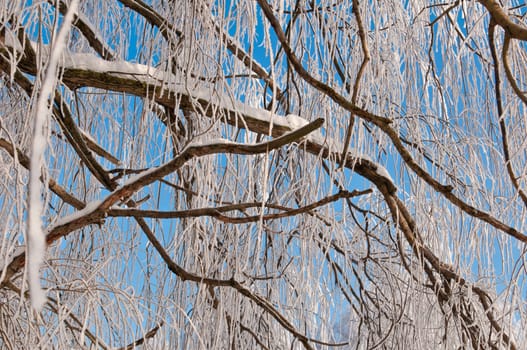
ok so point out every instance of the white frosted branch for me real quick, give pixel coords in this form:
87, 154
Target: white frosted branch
36, 239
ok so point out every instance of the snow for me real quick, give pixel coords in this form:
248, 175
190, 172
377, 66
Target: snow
382, 171
36, 239
88, 209
203, 141
295, 121
87, 61
136, 177
86, 135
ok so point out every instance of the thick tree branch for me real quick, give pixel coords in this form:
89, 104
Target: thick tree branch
499, 106
499, 16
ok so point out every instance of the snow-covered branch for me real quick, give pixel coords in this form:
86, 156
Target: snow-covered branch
87, 70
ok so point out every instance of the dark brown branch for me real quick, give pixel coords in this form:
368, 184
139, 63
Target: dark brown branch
499, 16
152, 17
216, 212
499, 105
506, 65
150, 334
97, 149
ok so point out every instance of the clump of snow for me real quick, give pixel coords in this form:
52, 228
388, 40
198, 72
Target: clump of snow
87, 61
383, 172
88, 209
36, 239
295, 121
203, 140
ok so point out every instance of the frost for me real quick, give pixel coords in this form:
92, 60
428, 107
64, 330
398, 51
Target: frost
36, 240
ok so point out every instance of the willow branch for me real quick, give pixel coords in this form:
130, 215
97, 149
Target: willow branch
216, 212
96, 211
501, 117
384, 125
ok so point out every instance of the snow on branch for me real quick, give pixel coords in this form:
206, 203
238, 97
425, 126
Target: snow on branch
36, 240
88, 70
138, 79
